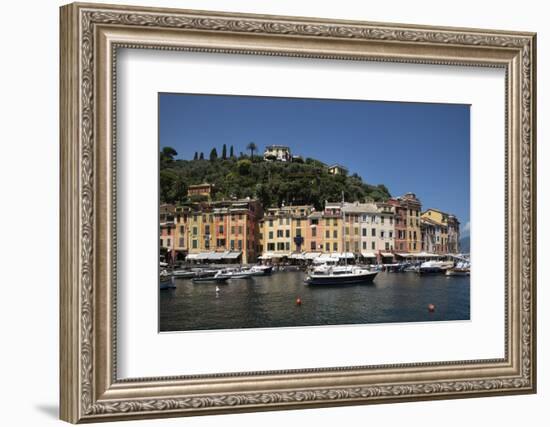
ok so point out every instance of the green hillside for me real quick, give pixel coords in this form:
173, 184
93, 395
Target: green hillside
273, 183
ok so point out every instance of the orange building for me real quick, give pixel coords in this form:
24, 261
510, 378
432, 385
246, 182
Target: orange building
224, 226
314, 233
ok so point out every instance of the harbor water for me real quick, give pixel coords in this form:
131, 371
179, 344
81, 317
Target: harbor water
271, 302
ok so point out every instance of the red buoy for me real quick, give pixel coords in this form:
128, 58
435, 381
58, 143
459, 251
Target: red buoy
298, 301
431, 308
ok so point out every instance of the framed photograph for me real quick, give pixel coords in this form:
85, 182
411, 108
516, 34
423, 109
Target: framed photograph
266, 212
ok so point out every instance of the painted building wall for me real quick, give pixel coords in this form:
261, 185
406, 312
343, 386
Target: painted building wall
450, 229
400, 226
375, 224
314, 233
413, 207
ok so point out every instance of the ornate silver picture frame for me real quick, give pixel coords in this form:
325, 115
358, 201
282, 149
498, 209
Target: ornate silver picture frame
90, 388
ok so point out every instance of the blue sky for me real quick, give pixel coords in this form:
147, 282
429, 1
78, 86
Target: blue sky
417, 147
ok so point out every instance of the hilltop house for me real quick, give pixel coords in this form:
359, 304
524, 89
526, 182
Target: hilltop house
280, 153
337, 169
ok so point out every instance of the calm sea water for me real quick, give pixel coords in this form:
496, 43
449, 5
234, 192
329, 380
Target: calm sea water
270, 301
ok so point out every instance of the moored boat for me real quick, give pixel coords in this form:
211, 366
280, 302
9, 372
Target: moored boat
184, 274
461, 269
431, 267
165, 280
340, 275
262, 270
235, 274
210, 279
458, 272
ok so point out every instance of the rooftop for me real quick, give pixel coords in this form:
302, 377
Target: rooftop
275, 147
336, 165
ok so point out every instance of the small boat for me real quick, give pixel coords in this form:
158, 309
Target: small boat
184, 274
262, 270
458, 272
243, 274
236, 274
210, 279
412, 268
343, 275
165, 280
205, 273
461, 269
431, 267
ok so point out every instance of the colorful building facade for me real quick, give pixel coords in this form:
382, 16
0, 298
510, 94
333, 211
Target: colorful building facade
245, 233
413, 236
400, 226
283, 230
449, 230
374, 223
212, 227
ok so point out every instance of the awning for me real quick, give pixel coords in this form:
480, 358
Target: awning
203, 256
297, 256
406, 255
280, 255
386, 254
368, 254
425, 255
191, 256
216, 255
320, 260
348, 255
324, 258
312, 255
232, 254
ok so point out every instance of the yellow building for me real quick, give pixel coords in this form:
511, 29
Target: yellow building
205, 189
333, 228
449, 229
181, 231
283, 231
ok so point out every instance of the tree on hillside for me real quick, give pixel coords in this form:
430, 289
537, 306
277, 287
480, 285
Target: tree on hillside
167, 154
244, 167
172, 187
196, 157
231, 154
213, 154
270, 182
252, 147
201, 157
224, 152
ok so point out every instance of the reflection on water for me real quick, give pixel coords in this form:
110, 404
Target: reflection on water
270, 301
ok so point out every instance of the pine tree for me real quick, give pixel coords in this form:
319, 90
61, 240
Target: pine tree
224, 152
213, 155
201, 157
196, 156
231, 155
